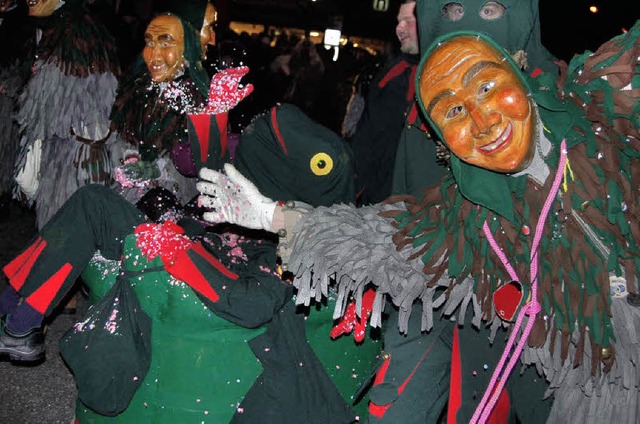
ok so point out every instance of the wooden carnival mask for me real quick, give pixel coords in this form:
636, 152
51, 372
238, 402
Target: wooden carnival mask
42, 8
479, 104
164, 48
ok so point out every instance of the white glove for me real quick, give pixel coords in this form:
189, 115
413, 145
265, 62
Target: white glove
232, 198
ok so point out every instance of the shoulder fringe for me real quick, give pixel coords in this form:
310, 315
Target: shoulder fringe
352, 248
52, 103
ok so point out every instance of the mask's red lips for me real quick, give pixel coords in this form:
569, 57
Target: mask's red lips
500, 143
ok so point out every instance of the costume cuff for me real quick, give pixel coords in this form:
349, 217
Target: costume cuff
292, 214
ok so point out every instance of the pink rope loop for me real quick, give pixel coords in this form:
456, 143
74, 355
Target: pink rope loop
499, 377
533, 307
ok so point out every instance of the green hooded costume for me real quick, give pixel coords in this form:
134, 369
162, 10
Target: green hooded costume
517, 31
151, 118
583, 340
244, 357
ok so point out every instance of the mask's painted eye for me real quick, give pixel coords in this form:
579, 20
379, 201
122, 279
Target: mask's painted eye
453, 112
321, 164
486, 87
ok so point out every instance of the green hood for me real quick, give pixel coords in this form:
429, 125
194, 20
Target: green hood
517, 30
191, 11
285, 143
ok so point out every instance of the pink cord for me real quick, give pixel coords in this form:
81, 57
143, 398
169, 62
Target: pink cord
483, 411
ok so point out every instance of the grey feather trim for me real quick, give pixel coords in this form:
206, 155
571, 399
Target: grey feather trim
351, 248
11, 83
9, 142
52, 103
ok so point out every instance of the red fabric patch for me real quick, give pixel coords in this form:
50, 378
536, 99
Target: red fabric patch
221, 120
202, 126
413, 114
18, 269
536, 72
274, 124
396, 70
507, 299
350, 319
379, 410
185, 270
199, 248
455, 382
500, 413
42, 298
166, 240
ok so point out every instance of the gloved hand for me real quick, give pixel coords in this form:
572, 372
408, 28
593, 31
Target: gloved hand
166, 240
351, 322
234, 199
136, 173
224, 91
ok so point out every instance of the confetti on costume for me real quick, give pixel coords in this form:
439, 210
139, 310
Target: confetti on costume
581, 340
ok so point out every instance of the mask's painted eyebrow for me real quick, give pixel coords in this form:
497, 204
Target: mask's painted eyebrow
476, 69
441, 95
466, 78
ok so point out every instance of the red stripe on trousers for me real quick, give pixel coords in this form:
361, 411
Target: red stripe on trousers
42, 298
455, 382
18, 269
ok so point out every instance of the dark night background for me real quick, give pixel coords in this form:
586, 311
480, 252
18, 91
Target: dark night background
567, 26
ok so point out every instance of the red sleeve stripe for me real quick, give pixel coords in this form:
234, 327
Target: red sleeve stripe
221, 120
186, 271
201, 125
200, 250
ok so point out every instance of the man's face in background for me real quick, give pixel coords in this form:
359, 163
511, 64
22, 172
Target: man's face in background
407, 29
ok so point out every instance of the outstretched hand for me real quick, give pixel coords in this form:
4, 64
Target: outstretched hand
225, 91
234, 199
